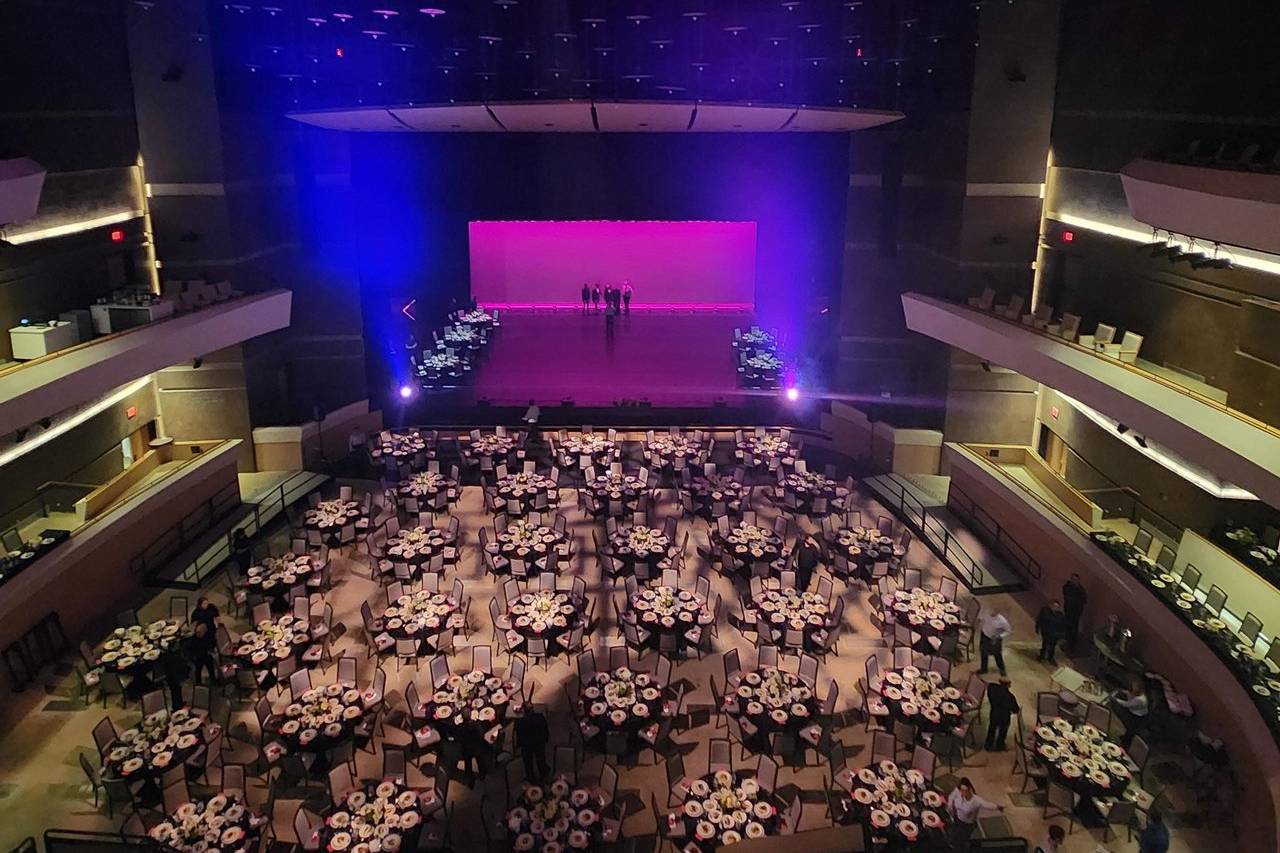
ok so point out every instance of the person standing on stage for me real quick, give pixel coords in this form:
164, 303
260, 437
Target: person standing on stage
595, 297
626, 296
586, 297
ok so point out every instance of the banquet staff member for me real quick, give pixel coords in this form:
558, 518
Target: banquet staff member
1050, 625
201, 648
175, 669
206, 613
1074, 597
532, 734
807, 558
993, 627
1003, 706
241, 551
964, 805
586, 296
595, 297
1132, 706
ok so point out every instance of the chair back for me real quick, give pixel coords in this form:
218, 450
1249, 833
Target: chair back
808, 669
1047, 705
176, 795
482, 658
883, 746
299, 683
153, 702
439, 669
720, 755
104, 734
924, 760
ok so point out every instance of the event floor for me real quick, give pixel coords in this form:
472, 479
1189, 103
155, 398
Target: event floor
41, 784
671, 359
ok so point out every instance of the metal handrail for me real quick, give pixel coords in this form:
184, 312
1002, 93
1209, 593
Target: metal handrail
951, 551
60, 840
984, 522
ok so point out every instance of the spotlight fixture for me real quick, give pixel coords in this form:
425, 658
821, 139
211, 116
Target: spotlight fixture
793, 394
45, 423
986, 365
1121, 428
19, 435
1141, 442
406, 391
196, 362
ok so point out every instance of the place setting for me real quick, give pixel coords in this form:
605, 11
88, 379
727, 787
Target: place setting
747, 544
136, 649
622, 703
666, 448
380, 817
721, 809
926, 612
523, 489
716, 494
555, 817
319, 719
275, 577
329, 516
420, 616
162, 740
418, 546
789, 610
222, 823
898, 807
638, 543
401, 446
921, 698
664, 610
530, 543
269, 642
770, 700
429, 488
547, 615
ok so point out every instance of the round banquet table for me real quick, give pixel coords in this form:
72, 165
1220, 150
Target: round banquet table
416, 546
421, 616
668, 448
531, 543
771, 700
922, 699
135, 651
162, 740
898, 807
402, 446
489, 444
544, 614
622, 702
633, 544
557, 817
524, 490
322, 718
328, 517
270, 642
662, 610
1081, 758
386, 812
804, 487
747, 544
924, 611
707, 492
275, 577
593, 445
751, 812
434, 366
862, 547
427, 487
618, 492
223, 823
790, 609
755, 339
471, 704
479, 317
463, 336
768, 450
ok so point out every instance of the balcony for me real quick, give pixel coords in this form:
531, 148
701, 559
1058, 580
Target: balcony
1232, 445
74, 376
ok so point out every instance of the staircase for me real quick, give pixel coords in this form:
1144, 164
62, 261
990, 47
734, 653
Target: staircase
923, 503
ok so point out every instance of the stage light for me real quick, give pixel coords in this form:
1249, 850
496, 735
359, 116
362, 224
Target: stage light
406, 391
793, 394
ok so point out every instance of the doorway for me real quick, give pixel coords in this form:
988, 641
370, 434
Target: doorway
1053, 450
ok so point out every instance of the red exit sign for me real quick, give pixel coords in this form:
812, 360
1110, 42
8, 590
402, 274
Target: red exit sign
132, 412
1053, 412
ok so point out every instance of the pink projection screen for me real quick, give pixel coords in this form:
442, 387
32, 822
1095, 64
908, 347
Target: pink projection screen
667, 263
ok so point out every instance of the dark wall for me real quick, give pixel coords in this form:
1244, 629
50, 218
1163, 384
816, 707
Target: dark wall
415, 194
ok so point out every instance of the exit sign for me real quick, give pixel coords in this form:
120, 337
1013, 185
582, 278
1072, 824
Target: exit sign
131, 412
1053, 412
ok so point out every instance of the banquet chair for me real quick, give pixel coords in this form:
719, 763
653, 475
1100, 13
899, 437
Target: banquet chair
671, 578
911, 578
546, 582
793, 639
1190, 576
564, 762
179, 607
720, 754
127, 618
826, 588
586, 662
903, 656
233, 781
942, 666
883, 747
578, 591
635, 636
678, 781
299, 683
787, 580
808, 672
261, 613
1062, 800
306, 827
1116, 812
1099, 716
152, 702
1138, 753
662, 672
395, 589
884, 525
1215, 599
301, 608
482, 658
924, 760
765, 656
1047, 705
606, 787
340, 783
948, 587
431, 581
536, 648
904, 736
406, 650
1249, 628
105, 734
284, 670
176, 795
872, 667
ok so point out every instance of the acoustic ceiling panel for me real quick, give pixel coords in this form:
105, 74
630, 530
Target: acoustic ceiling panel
554, 117
652, 117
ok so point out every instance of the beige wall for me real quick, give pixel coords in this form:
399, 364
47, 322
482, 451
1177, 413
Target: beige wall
996, 406
208, 403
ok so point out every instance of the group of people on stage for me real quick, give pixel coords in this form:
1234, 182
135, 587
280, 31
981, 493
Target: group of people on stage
616, 299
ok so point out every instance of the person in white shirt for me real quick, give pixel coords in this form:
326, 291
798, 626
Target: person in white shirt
1132, 706
993, 627
964, 806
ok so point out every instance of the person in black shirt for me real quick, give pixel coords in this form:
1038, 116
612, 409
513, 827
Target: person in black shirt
1050, 625
241, 551
1003, 706
175, 669
532, 735
586, 297
206, 613
201, 648
807, 557
1074, 597
626, 296
595, 297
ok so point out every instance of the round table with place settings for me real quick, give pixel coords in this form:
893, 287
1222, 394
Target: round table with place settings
1081, 757
637, 543
470, 703
723, 808
595, 446
924, 611
898, 807
386, 816
622, 701
766, 449
272, 641
806, 486
785, 609
223, 823
666, 610
479, 317
530, 542
330, 516
415, 545
400, 445
162, 740
862, 547
136, 650
668, 448
420, 616
426, 487
708, 491
488, 444
544, 614
464, 336
921, 698
554, 818
274, 577
772, 700
524, 490
616, 488
746, 544
321, 718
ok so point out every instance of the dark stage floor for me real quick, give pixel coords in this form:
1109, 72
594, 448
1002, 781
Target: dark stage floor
671, 359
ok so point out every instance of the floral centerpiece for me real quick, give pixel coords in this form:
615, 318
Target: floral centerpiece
542, 612
220, 824
421, 612
623, 699
379, 820
1082, 752
273, 640
898, 804
552, 818
771, 697
667, 607
162, 740
472, 699
328, 711
725, 807
138, 644
921, 698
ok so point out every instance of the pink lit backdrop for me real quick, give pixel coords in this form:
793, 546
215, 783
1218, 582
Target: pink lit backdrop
676, 263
